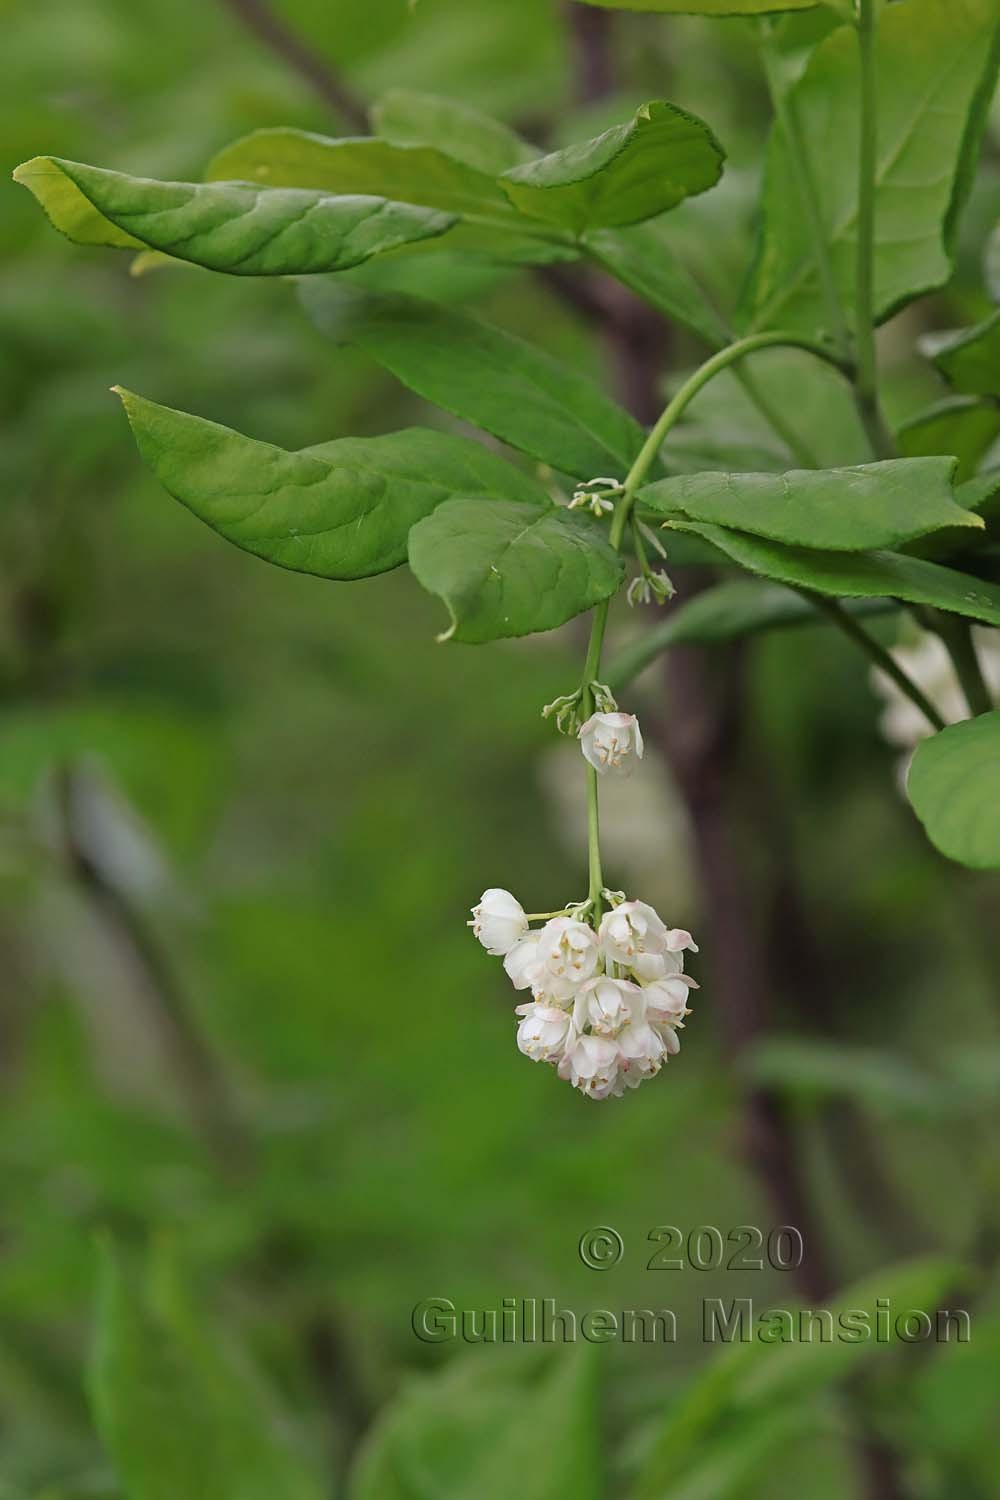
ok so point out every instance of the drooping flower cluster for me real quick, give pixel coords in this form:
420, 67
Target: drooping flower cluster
606, 1005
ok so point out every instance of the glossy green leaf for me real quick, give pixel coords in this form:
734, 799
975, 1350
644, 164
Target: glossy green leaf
961, 425
855, 575
630, 173
942, 58
727, 611
486, 376
408, 118
969, 359
506, 567
484, 219
225, 226
954, 786
339, 510
464, 1432
705, 7
847, 510
642, 260
176, 1417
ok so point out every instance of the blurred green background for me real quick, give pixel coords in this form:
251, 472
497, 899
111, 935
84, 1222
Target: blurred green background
296, 796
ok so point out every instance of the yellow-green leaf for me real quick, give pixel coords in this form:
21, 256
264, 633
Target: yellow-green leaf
225, 226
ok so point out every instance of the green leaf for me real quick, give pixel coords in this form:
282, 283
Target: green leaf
960, 425
483, 375
484, 219
489, 1429
725, 429
642, 260
748, 1381
853, 575
980, 494
339, 510
504, 567
945, 58
727, 611
846, 510
705, 7
954, 786
746, 1450
969, 359
630, 173
789, 1371
882, 1081
175, 1415
408, 118
225, 226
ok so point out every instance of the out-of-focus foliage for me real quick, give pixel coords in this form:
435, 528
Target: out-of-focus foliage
298, 798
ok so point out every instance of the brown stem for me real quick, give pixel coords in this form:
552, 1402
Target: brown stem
703, 746
260, 19
590, 33
196, 1069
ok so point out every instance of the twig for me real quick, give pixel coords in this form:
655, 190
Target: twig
590, 33
286, 44
198, 1072
876, 652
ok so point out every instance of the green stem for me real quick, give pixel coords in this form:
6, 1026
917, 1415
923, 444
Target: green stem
800, 450
957, 637
787, 118
676, 408
594, 844
866, 377
874, 649
644, 461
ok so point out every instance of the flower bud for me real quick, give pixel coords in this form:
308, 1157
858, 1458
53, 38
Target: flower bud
611, 742
498, 921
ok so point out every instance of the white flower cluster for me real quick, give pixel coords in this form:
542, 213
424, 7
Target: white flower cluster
606, 1006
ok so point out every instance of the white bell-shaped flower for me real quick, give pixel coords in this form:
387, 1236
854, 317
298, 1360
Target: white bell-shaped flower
604, 1004
591, 1065
631, 932
498, 921
568, 955
612, 742
642, 1049
542, 1032
667, 998
522, 963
